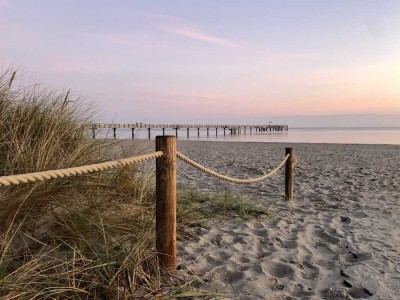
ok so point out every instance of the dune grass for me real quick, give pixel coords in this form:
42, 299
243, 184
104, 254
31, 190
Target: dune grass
83, 237
79, 237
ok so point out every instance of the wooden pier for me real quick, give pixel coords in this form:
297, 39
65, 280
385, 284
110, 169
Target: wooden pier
232, 129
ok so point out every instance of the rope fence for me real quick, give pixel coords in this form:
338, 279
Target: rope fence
166, 156
68, 172
227, 178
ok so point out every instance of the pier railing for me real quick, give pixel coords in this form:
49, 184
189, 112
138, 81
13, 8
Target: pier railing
166, 155
233, 129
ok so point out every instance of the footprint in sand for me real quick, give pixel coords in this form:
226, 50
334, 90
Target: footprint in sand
279, 270
357, 257
299, 290
223, 255
360, 292
244, 260
275, 285
326, 237
309, 271
232, 276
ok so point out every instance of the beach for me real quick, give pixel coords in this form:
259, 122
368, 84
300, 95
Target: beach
341, 239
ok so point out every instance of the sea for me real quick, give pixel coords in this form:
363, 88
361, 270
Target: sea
342, 135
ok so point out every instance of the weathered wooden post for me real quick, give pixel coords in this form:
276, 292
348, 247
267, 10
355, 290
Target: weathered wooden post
176, 132
208, 131
94, 133
188, 132
115, 132
166, 202
289, 174
149, 129
133, 133
198, 132
163, 131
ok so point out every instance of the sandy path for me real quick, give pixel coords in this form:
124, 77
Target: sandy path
341, 241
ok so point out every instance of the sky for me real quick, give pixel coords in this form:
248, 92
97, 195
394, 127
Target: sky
294, 62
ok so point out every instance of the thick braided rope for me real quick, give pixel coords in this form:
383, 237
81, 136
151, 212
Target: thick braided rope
226, 178
61, 173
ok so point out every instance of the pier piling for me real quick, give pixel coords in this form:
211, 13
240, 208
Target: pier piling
234, 129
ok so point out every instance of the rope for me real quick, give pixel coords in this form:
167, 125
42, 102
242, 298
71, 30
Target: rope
226, 178
61, 173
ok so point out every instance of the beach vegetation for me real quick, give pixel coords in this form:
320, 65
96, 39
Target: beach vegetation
89, 236
197, 208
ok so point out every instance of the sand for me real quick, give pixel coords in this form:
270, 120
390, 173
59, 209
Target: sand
340, 241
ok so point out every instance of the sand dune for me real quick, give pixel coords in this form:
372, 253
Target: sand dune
340, 241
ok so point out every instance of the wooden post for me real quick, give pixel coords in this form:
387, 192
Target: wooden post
208, 131
133, 133
188, 133
166, 202
94, 133
289, 174
198, 132
224, 130
216, 131
176, 132
115, 132
149, 133
163, 131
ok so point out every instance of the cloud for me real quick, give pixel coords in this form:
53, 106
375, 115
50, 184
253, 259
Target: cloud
201, 37
136, 41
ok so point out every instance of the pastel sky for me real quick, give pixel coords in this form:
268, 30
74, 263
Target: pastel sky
219, 61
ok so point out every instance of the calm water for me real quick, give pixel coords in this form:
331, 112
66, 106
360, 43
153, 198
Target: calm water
294, 135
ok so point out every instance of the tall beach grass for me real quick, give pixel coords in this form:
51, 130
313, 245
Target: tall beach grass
80, 237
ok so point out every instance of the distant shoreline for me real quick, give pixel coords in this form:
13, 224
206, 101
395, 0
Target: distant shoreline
200, 140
